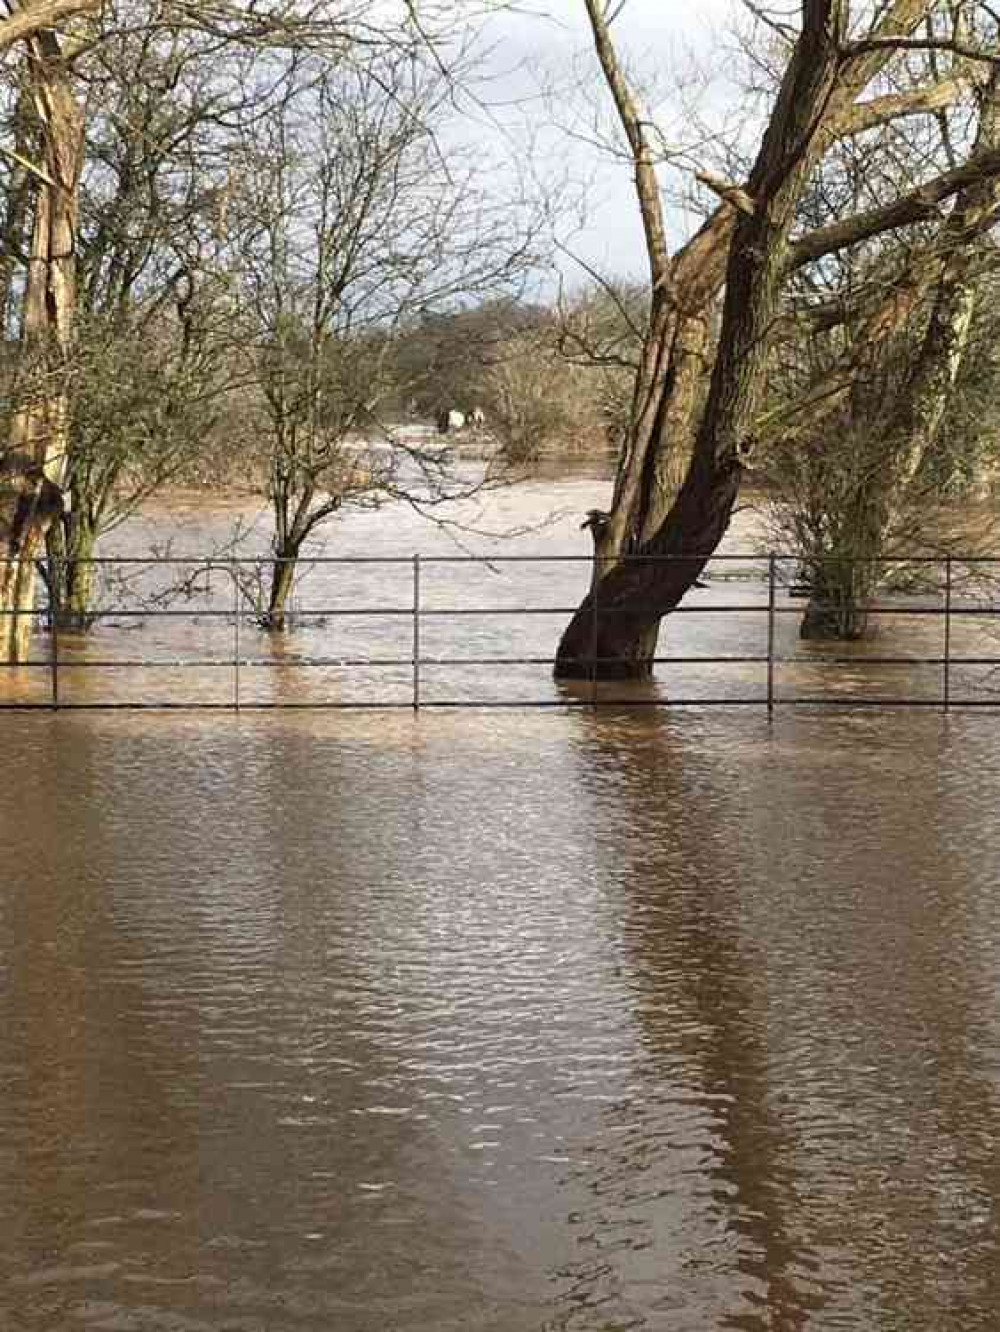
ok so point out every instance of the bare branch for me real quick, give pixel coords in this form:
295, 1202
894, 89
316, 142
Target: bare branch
728, 193
40, 17
643, 156
38, 172
879, 111
867, 45
919, 205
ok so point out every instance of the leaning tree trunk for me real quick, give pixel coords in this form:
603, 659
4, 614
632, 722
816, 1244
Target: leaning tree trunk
669, 386
628, 602
677, 349
34, 458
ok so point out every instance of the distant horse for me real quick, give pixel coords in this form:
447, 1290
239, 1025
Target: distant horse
450, 421
477, 418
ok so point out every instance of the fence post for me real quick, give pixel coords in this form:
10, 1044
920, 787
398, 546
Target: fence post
416, 633
771, 567
593, 632
235, 571
947, 633
54, 604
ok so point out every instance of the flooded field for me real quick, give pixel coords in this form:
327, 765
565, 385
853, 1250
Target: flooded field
512, 1021
498, 578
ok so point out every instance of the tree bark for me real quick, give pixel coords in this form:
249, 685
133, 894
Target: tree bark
625, 606
648, 511
283, 568
40, 18
15, 214
33, 461
70, 571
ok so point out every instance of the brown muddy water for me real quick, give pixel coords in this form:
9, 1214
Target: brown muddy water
509, 1021
495, 586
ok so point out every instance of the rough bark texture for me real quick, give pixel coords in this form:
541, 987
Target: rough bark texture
626, 604
282, 580
297, 513
39, 18
33, 459
649, 512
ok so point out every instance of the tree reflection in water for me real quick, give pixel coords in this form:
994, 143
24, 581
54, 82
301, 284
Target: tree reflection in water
806, 1142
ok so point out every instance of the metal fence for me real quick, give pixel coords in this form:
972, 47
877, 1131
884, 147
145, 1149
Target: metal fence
213, 599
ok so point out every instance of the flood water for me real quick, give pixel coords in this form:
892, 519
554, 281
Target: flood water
499, 577
518, 1021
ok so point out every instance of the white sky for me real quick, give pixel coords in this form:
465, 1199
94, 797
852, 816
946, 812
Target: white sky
663, 42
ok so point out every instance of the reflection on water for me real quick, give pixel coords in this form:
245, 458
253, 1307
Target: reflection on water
515, 1022
565, 1022
488, 626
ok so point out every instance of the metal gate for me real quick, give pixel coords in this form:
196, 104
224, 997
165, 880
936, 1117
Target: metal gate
235, 663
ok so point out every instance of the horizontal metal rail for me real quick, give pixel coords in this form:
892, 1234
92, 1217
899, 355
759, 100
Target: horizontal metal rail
68, 662
488, 705
340, 663
459, 612
222, 562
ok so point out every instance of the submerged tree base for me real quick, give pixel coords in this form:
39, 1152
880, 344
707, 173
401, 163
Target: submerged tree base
585, 668
826, 623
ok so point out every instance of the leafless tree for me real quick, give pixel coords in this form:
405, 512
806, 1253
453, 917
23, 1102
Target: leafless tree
152, 356
352, 219
153, 149
33, 459
868, 360
747, 251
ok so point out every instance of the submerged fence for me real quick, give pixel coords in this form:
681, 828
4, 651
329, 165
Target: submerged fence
414, 632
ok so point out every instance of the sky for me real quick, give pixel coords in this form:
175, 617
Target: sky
542, 86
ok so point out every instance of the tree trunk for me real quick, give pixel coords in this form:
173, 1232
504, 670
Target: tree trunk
839, 592
837, 608
34, 460
677, 351
613, 633
70, 571
842, 587
283, 567
610, 632
647, 507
